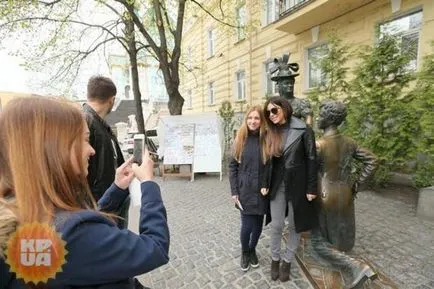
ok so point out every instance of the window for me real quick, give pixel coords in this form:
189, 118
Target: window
189, 100
211, 42
315, 75
407, 29
271, 11
241, 85
241, 21
211, 93
292, 4
269, 85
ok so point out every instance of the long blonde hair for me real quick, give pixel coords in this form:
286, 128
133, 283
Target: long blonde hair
241, 137
37, 137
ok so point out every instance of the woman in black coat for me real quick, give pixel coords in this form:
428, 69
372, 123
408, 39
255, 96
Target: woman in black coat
291, 181
245, 172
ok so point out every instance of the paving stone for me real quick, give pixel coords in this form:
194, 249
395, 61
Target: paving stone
205, 248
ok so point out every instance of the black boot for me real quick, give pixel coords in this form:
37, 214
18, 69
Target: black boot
274, 270
245, 260
253, 258
285, 270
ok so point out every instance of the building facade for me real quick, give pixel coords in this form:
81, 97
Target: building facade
222, 65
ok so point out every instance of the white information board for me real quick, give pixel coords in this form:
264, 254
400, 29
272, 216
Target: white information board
195, 139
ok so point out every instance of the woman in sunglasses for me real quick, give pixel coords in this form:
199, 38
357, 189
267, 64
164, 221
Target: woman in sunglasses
291, 178
245, 173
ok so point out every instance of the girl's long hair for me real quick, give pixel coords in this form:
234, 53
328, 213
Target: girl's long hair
37, 138
274, 135
241, 137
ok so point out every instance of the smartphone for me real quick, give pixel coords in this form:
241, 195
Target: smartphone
139, 147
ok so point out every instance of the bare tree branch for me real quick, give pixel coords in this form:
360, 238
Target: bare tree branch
142, 29
120, 39
160, 26
166, 15
212, 16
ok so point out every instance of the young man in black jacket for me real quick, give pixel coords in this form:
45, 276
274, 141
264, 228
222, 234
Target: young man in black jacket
101, 94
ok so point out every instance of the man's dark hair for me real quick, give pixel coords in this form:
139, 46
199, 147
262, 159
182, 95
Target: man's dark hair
333, 110
100, 88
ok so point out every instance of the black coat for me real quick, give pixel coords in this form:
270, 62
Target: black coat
108, 155
299, 166
245, 178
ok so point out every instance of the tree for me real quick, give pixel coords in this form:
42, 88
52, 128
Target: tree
423, 104
160, 26
334, 71
380, 114
166, 44
70, 41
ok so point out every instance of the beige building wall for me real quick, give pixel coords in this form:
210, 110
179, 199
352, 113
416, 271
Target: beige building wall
6, 96
354, 20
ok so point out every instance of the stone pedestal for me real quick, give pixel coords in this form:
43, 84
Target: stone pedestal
322, 275
425, 204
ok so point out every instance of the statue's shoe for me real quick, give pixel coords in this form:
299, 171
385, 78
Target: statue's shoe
361, 275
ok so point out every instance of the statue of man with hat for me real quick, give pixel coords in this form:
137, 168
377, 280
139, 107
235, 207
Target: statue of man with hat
285, 78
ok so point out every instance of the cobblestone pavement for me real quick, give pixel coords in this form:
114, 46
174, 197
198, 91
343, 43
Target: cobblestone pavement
205, 248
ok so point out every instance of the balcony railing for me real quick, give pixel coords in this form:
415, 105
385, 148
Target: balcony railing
290, 6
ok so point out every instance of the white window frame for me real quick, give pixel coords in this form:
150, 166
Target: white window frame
270, 88
211, 93
414, 63
211, 35
271, 12
240, 91
241, 21
310, 68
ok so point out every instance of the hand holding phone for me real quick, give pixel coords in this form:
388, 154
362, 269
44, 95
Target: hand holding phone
144, 171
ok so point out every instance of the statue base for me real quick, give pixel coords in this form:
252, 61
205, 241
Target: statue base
323, 275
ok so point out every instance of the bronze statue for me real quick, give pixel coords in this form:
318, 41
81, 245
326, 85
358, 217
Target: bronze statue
336, 232
285, 79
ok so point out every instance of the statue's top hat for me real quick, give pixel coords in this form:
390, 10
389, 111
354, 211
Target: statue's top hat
285, 70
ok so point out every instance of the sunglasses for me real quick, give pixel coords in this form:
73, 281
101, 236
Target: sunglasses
274, 110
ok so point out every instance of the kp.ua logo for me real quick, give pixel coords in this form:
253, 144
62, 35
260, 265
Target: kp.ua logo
36, 252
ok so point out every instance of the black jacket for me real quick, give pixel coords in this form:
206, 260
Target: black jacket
108, 155
244, 178
299, 167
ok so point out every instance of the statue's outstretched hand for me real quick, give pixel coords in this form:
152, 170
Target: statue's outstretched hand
310, 197
264, 191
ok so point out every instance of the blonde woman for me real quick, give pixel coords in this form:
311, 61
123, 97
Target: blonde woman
245, 175
44, 153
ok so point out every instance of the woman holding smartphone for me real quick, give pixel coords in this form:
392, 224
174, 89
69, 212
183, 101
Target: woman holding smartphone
43, 168
245, 175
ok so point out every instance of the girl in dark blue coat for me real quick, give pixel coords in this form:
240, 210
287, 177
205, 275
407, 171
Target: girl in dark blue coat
43, 167
245, 175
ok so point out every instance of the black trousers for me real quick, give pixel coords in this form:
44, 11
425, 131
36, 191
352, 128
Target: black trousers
251, 229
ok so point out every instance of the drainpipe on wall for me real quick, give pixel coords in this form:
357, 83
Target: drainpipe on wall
250, 63
202, 63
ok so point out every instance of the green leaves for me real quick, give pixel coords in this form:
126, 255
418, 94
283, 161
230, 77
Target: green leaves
334, 71
381, 115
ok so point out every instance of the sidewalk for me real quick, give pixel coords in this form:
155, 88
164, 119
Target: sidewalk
205, 249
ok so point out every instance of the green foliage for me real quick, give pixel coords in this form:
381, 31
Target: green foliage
333, 68
423, 105
380, 114
227, 114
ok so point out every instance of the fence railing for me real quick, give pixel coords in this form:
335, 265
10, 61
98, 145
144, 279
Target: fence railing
290, 6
